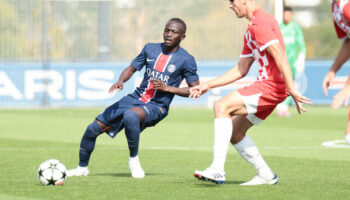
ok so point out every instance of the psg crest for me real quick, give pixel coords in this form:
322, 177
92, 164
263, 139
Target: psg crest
171, 68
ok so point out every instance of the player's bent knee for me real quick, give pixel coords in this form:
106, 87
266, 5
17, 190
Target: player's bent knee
220, 109
131, 118
92, 131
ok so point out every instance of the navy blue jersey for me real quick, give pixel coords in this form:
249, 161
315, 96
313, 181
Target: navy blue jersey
170, 68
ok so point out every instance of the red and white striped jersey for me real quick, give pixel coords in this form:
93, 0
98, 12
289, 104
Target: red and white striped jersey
341, 18
263, 31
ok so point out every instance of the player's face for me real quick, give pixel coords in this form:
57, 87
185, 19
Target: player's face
287, 16
238, 7
173, 34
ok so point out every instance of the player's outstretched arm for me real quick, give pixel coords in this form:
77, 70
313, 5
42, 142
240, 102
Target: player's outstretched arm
342, 57
342, 96
184, 91
124, 76
280, 57
239, 71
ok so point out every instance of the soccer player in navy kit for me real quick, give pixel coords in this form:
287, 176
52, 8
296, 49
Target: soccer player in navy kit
167, 64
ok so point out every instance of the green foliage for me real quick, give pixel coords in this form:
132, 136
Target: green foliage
214, 33
321, 39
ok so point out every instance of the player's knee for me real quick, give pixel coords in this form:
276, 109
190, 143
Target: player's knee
131, 118
93, 130
220, 109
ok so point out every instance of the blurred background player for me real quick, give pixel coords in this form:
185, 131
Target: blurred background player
241, 109
295, 47
341, 18
167, 64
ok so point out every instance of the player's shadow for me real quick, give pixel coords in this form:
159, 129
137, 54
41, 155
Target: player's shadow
208, 184
125, 174
234, 182
114, 174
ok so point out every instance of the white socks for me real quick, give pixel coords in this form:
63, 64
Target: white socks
222, 136
347, 138
134, 159
247, 149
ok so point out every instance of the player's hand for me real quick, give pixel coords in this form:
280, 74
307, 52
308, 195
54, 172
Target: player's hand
158, 85
198, 90
300, 100
118, 85
342, 95
328, 79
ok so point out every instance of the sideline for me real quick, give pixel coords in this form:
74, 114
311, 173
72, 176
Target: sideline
335, 144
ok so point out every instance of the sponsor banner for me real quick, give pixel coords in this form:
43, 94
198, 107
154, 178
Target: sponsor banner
87, 84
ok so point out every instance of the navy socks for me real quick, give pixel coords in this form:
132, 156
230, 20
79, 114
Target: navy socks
87, 144
132, 131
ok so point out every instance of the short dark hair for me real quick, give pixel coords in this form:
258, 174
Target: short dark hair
288, 8
180, 21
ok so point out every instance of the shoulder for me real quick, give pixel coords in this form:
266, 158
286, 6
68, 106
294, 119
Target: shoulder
153, 46
263, 19
184, 54
295, 25
262, 16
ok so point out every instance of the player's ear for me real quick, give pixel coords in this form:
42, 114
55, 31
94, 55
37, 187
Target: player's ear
183, 37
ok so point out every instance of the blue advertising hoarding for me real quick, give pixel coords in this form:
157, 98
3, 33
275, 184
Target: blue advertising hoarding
87, 84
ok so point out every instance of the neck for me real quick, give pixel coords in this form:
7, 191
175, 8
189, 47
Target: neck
168, 49
251, 7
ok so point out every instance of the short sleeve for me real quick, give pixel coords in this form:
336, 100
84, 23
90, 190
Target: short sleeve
346, 12
140, 60
190, 72
265, 35
246, 52
340, 33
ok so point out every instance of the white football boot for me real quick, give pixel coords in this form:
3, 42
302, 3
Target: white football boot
135, 167
79, 171
211, 174
259, 180
347, 138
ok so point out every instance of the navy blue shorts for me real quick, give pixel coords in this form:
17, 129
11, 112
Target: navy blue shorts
113, 115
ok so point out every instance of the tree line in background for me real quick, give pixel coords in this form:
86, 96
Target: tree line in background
61, 31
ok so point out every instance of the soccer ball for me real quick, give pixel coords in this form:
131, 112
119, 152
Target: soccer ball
52, 172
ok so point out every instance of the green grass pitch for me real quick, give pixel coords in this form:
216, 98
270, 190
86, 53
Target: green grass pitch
169, 153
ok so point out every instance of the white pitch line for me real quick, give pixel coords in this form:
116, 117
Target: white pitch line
10, 197
327, 144
174, 148
335, 144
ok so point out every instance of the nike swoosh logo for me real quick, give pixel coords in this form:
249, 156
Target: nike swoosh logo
149, 60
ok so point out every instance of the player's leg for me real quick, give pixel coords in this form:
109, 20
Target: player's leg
110, 117
248, 150
87, 146
232, 104
260, 101
347, 130
133, 119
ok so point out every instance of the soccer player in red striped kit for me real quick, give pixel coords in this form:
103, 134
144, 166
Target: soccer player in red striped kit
167, 64
241, 109
341, 19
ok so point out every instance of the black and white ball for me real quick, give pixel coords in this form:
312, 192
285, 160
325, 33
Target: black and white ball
52, 172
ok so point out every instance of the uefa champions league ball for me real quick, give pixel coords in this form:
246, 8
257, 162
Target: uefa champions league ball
52, 172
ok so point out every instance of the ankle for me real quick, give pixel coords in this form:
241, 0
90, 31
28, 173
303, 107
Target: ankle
134, 159
82, 168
